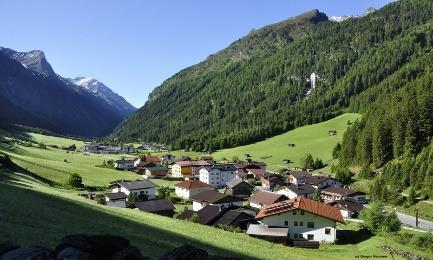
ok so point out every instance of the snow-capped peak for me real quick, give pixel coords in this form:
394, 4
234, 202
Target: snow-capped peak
339, 19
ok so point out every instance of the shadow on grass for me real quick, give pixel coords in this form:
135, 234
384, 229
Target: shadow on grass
30, 217
350, 237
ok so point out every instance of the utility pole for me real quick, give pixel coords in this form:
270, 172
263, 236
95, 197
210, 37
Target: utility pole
416, 218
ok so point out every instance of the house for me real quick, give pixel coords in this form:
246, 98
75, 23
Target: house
184, 169
206, 216
155, 172
142, 188
161, 207
168, 159
300, 190
272, 181
127, 149
306, 219
210, 197
146, 161
186, 189
348, 207
239, 188
272, 234
262, 198
299, 177
258, 173
242, 168
337, 193
239, 218
332, 132
322, 182
217, 175
124, 164
116, 199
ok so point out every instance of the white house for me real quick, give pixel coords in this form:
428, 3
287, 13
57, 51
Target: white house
186, 189
139, 188
321, 182
217, 175
185, 169
306, 219
299, 177
124, 164
263, 198
336, 193
210, 197
300, 190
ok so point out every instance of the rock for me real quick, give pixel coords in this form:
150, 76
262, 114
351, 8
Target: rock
100, 246
130, 253
27, 253
6, 246
186, 252
70, 253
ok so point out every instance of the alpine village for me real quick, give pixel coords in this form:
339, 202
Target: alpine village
310, 138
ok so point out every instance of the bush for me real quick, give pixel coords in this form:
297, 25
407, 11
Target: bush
377, 219
423, 241
175, 199
75, 181
163, 192
229, 228
101, 201
130, 201
366, 173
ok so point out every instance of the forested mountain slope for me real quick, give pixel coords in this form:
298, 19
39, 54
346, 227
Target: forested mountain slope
257, 87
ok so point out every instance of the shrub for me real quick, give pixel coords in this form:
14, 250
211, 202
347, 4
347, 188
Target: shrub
175, 199
377, 219
130, 201
229, 228
163, 192
75, 181
100, 200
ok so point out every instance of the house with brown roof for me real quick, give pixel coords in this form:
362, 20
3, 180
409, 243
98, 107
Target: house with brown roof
141, 188
239, 218
210, 197
263, 198
154, 171
272, 181
161, 207
239, 188
124, 164
300, 190
305, 219
349, 208
299, 177
258, 173
322, 182
337, 193
185, 169
186, 189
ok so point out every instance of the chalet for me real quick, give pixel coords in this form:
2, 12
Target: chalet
348, 207
124, 164
210, 197
117, 199
306, 219
322, 182
261, 199
206, 215
239, 218
161, 207
337, 193
186, 189
299, 177
146, 161
300, 190
184, 169
217, 175
244, 167
272, 234
155, 172
272, 181
168, 159
143, 188
239, 188
258, 173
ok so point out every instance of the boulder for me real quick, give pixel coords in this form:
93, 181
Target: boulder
27, 253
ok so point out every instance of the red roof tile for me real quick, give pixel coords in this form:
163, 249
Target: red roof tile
308, 205
191, 184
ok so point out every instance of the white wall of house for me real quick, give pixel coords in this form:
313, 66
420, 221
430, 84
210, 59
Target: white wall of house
124, 166
323, 230
176, 170
215, 177
196, 206
329, 183
150, 192
288, 193
186, 193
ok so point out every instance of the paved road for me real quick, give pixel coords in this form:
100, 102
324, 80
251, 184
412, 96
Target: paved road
408, 220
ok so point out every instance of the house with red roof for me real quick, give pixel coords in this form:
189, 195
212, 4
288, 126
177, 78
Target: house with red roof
306, 219
186, 189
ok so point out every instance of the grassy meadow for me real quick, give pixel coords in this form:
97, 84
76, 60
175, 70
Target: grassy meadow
312, 139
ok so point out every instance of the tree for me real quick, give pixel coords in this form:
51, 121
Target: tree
366, 172
317, 196
410, 200
377, 219
342, 173
163, 192
336, 151
391, 223
130, 201
75, 181
308, 161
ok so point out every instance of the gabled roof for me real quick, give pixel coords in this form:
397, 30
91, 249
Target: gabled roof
232, 215
253, 165
194, 163
116, 195
213, 197
266, 197
151, 158
155, 168
208, 214
308, 205
262, 230
317, 179
192, 184
124, 161
154, 205
300, 174
259, 173
187, 214
347, 204
236, 181
221, 167
342, 191
137, 185
302, 189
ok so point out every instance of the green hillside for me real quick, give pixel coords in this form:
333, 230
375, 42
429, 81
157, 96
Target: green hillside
250, 91
312, 139
32, 211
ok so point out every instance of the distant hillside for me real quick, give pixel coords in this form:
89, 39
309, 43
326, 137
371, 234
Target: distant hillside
261, 85
32, 94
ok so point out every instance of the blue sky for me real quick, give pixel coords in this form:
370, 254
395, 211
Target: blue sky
134, 45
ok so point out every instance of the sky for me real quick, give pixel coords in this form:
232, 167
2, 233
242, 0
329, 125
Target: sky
132, 46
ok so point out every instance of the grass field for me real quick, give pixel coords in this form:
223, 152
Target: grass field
59, 141
312, 139
34, 213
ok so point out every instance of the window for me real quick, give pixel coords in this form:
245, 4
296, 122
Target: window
327, 231
295, 223
302, 212
286, 223
295, 235
310, 237
301, 223
310, 224
294, 212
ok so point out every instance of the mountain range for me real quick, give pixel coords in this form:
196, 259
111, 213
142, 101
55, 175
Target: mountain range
257, 87
34, 95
